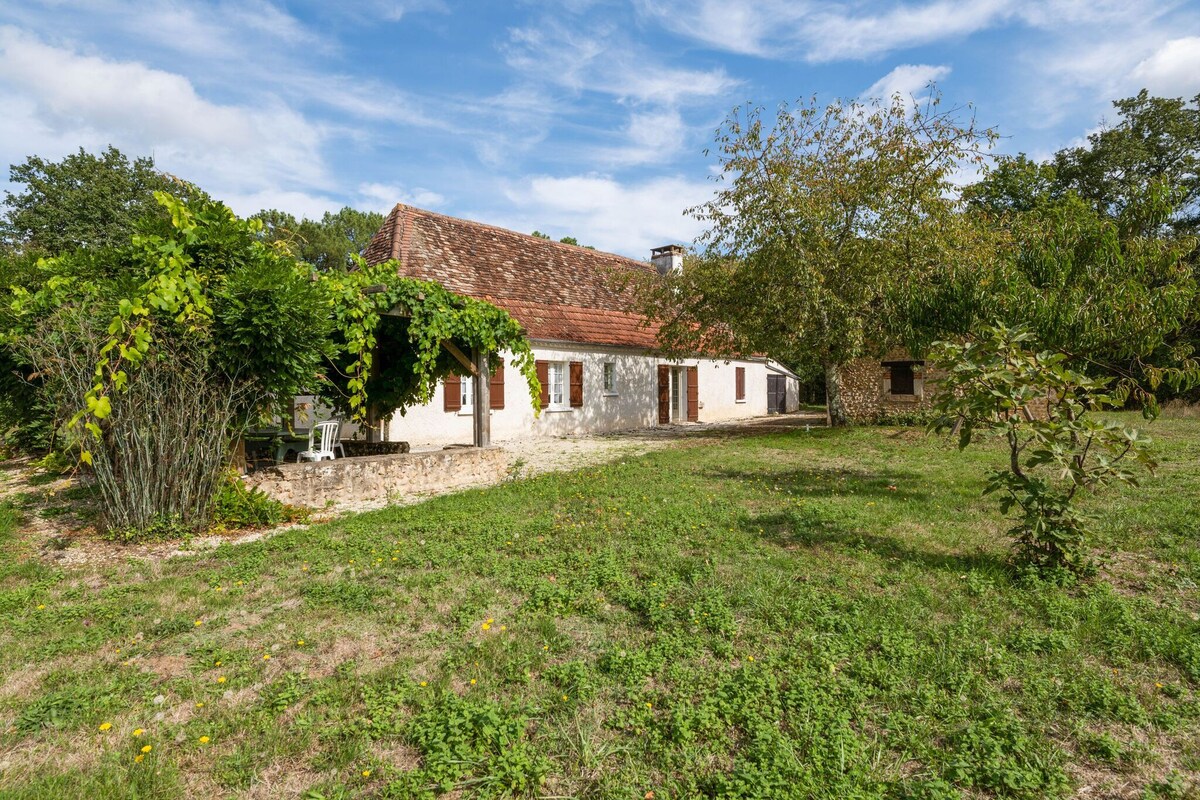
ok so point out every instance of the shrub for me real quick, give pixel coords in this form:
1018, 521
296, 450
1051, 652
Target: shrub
1000, 384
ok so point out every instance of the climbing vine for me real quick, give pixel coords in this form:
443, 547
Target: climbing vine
265, 319
434, 315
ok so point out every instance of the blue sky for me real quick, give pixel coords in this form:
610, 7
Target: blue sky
573, 117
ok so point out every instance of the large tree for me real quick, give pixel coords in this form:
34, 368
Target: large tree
820, 212
1154, 140
330, 243
84, 200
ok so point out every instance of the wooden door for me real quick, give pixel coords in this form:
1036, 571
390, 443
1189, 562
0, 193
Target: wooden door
664, 394
693, 394
776, 394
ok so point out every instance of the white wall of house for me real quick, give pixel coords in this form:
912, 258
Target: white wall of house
633, 403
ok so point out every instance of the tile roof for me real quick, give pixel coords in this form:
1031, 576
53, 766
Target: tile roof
558, 292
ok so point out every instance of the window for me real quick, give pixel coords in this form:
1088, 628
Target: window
902, 378
466, 396
739, 383
610, 377
556, 382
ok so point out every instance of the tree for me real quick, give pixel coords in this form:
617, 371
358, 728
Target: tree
1002, 384
330, 243
1156, 140
1115, 294
83, 200
820, 212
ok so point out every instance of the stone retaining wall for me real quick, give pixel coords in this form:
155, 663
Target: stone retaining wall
373, 481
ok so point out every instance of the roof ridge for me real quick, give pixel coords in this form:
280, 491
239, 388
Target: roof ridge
405, 211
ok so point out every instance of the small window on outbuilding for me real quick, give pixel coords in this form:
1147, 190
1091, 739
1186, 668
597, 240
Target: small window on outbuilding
902, 378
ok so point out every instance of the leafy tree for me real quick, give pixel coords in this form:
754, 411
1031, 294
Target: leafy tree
1116, 295
820, 212
1016, 184
1155, 140
1002, 384
330, 243
83, 200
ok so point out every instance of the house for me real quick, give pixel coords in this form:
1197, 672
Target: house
893, 386
595, 358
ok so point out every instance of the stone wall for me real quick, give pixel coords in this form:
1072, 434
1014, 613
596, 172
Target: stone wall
355, 483
866, 389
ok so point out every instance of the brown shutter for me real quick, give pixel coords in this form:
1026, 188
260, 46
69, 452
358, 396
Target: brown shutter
543, 375
664, 394
693, 392
576, 384
496, 388
452, 387
741, 383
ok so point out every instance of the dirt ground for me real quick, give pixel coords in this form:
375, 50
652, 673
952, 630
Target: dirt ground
56, 529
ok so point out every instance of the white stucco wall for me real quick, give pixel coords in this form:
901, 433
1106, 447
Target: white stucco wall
633, 405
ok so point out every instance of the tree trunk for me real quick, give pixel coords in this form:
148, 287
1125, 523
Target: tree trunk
835, 407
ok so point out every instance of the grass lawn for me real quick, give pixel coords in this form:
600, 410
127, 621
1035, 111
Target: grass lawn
822, 614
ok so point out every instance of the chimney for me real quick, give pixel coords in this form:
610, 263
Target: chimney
668, 260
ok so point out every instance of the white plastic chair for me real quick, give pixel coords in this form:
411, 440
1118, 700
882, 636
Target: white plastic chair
329, 439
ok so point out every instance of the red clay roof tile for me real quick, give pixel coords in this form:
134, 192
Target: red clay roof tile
558, 292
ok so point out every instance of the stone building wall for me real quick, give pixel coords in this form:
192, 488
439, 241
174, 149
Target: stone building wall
373, 481
866, 389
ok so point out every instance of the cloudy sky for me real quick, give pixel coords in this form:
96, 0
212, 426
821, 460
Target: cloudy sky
578, 117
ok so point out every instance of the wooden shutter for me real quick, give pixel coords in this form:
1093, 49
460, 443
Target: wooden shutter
496, 387
664, 394
902, 378
576, 384
693, 393
740, 383
543, 375
452, 389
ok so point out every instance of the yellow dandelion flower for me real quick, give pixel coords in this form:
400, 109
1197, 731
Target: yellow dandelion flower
147, 748
138, 759
300, 643
424, 683
545, 647
220, 589
217, 664
41, 606
564, 698
266, 656
503, 627
204, 740
105, 726
366, 773
750, 658
490, 620
486, 626
472, 681
221, 679
649, 705
1159, 685
198, 623
199, 705
139, 731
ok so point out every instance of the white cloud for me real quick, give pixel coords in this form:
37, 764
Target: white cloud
650, 137
627, 218
906, 80
601, 60
823, 32
381, 197
1173, 70
227, 149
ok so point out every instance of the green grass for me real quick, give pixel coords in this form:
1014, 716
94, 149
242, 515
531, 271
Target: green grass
824, 614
